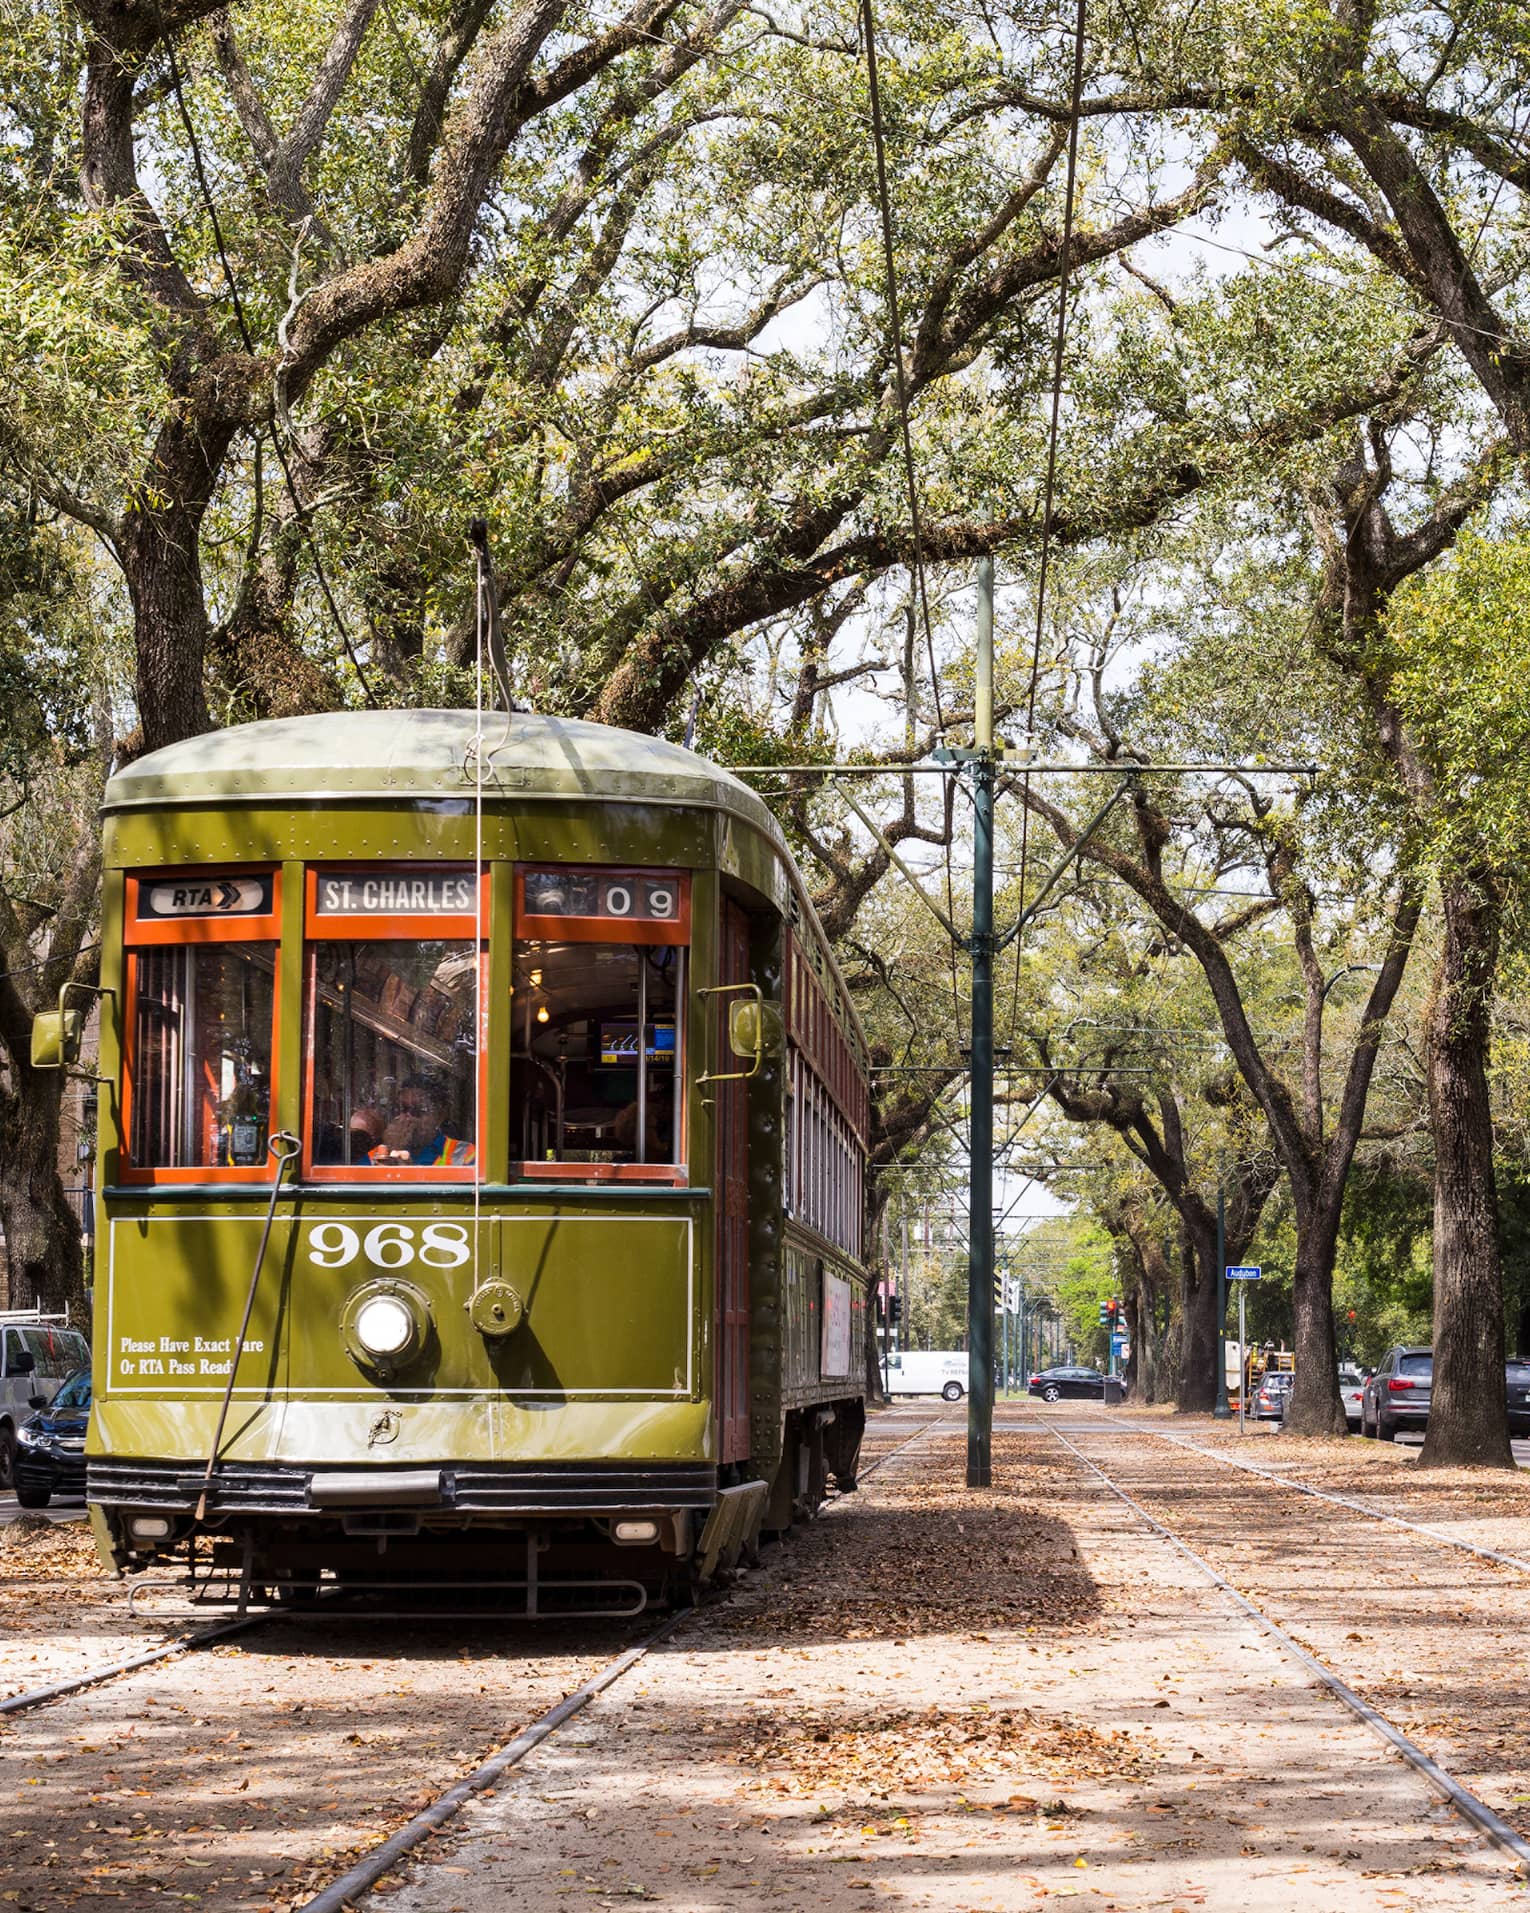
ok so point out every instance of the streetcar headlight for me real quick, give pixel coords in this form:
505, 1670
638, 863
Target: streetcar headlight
386, 1326
148, 1527
383, 1326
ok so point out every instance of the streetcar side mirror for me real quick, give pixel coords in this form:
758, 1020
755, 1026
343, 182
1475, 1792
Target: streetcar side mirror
755, 1031
57, 1037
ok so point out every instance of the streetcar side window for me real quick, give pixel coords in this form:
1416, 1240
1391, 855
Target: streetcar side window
597, 1022
392, 1021
200, 1032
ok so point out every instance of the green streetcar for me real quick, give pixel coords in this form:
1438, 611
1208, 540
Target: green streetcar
483, 1129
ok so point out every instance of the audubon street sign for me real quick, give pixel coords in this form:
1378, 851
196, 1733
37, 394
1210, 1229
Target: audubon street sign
1244, 1271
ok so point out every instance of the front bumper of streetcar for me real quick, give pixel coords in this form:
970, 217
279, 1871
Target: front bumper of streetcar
447, 1494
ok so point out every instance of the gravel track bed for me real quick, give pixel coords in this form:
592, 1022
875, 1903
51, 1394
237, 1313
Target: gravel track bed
246, 1775
1433, 1637
953, 1699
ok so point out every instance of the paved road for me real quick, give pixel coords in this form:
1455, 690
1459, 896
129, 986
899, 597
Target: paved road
11, 1508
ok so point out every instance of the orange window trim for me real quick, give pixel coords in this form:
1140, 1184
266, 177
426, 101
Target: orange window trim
398, 927
365, 1174
265, 928
540, 929
149, 1177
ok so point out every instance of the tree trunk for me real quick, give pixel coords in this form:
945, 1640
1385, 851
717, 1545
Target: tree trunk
1196, 1391
1468, 1421
42, 1237
161, 559
1315, 1407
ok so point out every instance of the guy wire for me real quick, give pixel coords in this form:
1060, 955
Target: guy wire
900, 386
1064, 261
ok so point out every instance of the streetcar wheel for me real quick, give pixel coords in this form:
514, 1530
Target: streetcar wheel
1051, 1393
952, 1391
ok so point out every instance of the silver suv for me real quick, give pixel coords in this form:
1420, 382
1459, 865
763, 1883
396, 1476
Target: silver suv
1397, 1395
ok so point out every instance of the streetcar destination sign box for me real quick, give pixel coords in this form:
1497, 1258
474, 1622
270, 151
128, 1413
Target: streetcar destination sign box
1244, 1271
204, 896
373, 893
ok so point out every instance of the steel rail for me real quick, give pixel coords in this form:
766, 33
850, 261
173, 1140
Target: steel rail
340, 1894
1344, 1501
55, 1690
1466, 1803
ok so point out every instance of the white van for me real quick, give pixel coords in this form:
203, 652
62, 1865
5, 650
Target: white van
37, 1352
928, 1371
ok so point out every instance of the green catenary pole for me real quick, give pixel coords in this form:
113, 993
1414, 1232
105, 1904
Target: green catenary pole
1222, 1412
980, 1221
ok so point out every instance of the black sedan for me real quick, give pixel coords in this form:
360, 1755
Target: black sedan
50, 1446
1080, 1384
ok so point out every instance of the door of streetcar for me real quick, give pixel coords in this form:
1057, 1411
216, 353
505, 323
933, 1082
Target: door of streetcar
732, 1185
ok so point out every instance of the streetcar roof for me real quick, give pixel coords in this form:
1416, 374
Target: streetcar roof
383, 756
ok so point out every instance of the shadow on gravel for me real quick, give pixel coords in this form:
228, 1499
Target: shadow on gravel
954, 1562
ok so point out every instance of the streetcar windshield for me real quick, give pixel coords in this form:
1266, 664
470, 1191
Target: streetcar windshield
394, 1054
596, 1047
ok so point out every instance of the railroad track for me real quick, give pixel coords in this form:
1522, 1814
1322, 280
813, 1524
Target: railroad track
1468, 1804
382, 1859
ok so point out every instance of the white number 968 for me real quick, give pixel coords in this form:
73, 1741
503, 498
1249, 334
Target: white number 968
390, 1245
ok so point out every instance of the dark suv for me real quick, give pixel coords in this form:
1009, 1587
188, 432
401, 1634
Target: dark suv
50, 1446
1397, 1395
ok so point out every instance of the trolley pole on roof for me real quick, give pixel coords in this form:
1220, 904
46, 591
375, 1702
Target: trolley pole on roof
980, 1217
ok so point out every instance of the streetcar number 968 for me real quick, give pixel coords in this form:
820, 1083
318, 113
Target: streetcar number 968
390, 1245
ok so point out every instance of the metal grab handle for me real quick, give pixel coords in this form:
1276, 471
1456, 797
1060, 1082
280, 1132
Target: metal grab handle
283, 1157
735, 1075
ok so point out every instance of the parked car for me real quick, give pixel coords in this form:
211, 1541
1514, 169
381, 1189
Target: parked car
1079, 1384
37, 1352
1267, 1402
1397, 1395
50, 1446
1351, 1388
1516, 1377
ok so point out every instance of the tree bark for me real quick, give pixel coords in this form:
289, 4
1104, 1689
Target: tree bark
1315, 1407
1196, 1393
42, 1238
1468, 1420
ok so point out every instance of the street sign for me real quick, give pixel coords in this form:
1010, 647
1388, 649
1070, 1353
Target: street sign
1244, 1272
1118, 1345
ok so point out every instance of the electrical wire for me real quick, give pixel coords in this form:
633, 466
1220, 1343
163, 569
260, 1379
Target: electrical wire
300, 510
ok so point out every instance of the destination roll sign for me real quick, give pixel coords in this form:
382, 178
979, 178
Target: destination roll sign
394, 893
205, 896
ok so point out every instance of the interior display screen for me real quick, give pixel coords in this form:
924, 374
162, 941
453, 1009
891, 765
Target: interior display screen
619, 1043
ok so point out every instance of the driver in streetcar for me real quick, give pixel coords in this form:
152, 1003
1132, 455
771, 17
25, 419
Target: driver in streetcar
417, 1132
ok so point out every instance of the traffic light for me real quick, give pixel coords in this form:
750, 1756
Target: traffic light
895, 1309
1112, 1312
1104, 1315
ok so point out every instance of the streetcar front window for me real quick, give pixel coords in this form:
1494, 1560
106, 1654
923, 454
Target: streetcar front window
200, 1056
596, 1043
394, 1056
